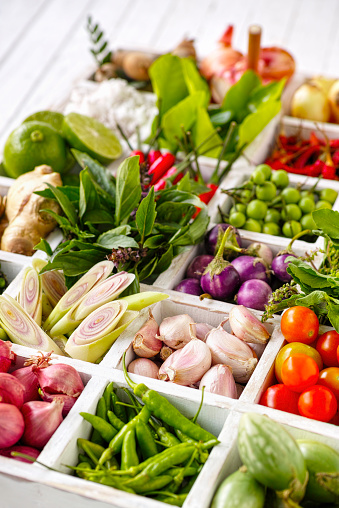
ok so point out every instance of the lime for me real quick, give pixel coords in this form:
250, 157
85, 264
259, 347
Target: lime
32, 144
53, 118
90, 136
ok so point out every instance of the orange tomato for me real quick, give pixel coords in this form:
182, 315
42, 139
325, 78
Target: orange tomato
299, 324
299, 372
292, 349
330, 378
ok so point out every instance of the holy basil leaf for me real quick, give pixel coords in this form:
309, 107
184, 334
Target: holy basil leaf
185, 184
146, 215
317, 297
195, 231
254, 123
113, 241
201, 130
148, 268
327, 221
222, 117
237, 96
154, 242
98, 217
75, 263
165, 260
120, 230
181, 117
70, 191
99, 172
89, 199
194, 81
65, 204
44, 246
333, 314
62, 221
264, 93
128, 188
175, 212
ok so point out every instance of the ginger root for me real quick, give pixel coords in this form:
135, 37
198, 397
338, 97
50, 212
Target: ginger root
27, 224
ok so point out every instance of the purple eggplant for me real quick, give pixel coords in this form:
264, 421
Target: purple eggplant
198, 266
279, 265
249, 267
254, 294
220, 279
189, 286
213, 238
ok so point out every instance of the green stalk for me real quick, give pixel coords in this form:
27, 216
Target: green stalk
30, 295
215, 177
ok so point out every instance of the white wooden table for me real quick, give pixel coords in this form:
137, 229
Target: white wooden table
44, 44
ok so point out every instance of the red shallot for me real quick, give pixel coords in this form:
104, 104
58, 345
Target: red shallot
59, 378
11, 390
41, 421
11, 425
26, 450
7, 356
68, 400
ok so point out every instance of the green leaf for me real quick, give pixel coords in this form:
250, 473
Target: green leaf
237, 96
98, 217
194, 81
254, 123
99, 172
196, 230
201, 130
327, 221
89, 199
65, 204
44, 246
62, 221
185, 184
110, 241
222, 117
146, 215
264, 93
70, 191
148, 268
75, 263
154, 242
165, 260
175, 212
181, 117
128, 188
333, 314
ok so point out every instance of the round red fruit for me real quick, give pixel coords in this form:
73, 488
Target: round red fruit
299, 324
280, 397
318, 403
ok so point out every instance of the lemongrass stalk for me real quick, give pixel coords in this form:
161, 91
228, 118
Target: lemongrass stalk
38, 264
22, 329
96, 274
95, 335
107, 291
61, 342
46, 307
141, 300
53, 282
30, 295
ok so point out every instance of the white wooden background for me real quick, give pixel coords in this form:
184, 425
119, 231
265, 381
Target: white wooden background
44, 44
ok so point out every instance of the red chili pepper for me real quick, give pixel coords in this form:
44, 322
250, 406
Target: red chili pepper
314, 140
335, 158
141, 155
304, 158
160, 166
315, 169
334, 143
206, 197
328, 172
161, 184
152, 156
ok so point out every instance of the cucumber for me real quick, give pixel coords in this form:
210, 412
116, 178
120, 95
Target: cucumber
272, 456
322, 463
239, 490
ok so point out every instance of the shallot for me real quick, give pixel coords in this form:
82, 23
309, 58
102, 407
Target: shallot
144, 367
26, 450
145, 343
11, 425
29, 381
60, 378
11, 390
67, 400
41, 419
7, 356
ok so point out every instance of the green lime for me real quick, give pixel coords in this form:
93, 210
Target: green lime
266, 192
53, 118
237, 219
246, 195
258, 176
271, 228
32, 144
307, 222
323, 204
272, 215
256, 209
290, 195
266, 169
252, 225
239, 207
329, 195
90, 136
306, 204
291, 212
291, 228
280, 178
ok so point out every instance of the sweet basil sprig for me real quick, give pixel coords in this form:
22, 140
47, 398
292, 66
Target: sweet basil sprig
106, 218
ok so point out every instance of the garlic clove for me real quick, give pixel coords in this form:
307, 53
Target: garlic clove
202, 330
145, 343
187, 365
165, 352
144, 367
176, 331
219, 379
246, 326
230, 350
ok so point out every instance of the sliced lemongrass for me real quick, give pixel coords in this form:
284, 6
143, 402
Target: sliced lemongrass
107, 291
53, 282
22, 329
61, 342
96, 334
46, 307
96, 274
30, 296
139, 301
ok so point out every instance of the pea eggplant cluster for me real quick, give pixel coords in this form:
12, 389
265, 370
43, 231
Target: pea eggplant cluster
145, 447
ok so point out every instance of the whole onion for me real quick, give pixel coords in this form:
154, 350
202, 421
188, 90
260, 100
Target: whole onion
333, 97
67, 400
11, 425
254, 294
250, 267
279, 266
197, 267
211, 239
11, 390
310, 102
190, 286
41, 421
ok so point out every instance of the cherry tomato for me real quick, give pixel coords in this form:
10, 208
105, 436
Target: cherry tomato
299, 372
327, 345
280, 397
299, 324
338, 354
318, 403
292, 349
330, 378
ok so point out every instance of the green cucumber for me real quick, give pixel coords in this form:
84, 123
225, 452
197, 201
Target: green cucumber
272, 456
240, 489
322, 463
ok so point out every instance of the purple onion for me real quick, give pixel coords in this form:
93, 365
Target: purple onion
222, 286
197, 267
189, 286
279, 266
254, 294
250, 267
211, 239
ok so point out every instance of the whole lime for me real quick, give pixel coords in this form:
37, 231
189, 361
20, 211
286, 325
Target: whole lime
32, 144
52, 118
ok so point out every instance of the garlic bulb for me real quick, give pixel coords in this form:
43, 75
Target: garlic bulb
231, 351
202, 330
246, 326
187, 365
176, 331
144, 367
145, 343
219, 380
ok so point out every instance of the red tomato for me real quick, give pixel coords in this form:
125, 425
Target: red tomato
280, 397
327, 346
318, 403
299, 324
330, 378
335, 419
299, 372
338, 354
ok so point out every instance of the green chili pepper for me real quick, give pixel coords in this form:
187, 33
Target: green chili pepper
115, 444
93, 450
117, 409
114, 420
104, 428
145, 439
112, 482
166, 438
160, 407
203, 455
96, 438
129, 456
174, 499
101, 411
107, 396
82, 468
83, 458
189, 485
157, 483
